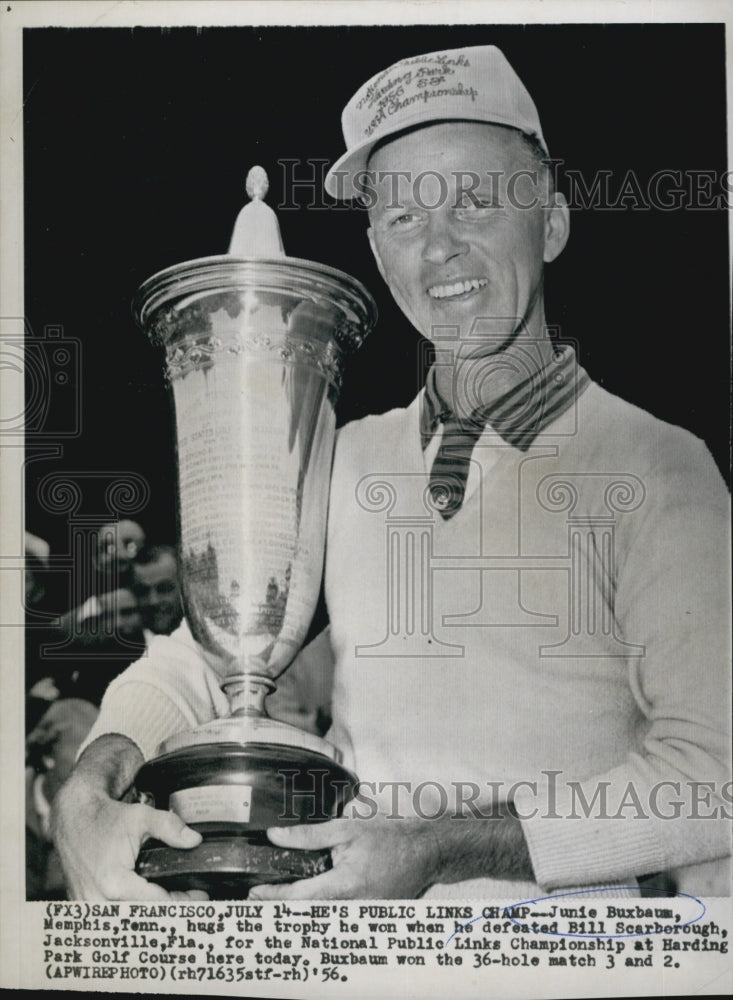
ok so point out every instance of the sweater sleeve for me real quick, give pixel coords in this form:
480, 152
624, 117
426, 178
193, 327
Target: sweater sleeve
669, 802
139, 711
170, 689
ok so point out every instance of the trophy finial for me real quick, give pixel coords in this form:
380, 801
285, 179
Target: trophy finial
257, 184
256, 231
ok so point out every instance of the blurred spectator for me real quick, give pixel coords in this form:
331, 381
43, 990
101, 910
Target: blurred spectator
37, 618
155, 574
120, 616
79, 653
111, 641
50, 753
118, 545
37, 555
79, 659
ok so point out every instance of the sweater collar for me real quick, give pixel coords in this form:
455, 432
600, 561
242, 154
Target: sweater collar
518, 415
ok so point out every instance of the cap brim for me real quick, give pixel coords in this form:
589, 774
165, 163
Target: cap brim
339, 183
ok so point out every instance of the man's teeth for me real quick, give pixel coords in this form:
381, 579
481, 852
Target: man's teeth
459, 288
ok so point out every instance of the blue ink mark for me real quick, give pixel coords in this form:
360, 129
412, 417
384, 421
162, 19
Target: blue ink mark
666, 929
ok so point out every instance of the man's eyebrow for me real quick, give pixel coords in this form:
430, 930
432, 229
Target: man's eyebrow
393, 206
397, 205
489, 198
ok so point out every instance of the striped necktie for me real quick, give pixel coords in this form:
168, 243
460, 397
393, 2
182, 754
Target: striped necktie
518, 416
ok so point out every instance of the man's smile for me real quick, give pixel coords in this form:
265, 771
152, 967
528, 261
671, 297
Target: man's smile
466, 286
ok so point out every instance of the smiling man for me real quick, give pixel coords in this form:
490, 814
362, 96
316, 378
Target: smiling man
157, 590
526, 594
548, 727
462, 250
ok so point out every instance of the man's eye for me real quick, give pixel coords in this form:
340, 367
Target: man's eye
405, 219
481, 205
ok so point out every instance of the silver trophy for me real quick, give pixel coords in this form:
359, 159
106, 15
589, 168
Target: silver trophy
254, 353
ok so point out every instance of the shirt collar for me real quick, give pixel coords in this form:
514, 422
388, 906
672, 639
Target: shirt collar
520, 414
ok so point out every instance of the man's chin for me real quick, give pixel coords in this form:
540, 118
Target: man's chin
483, 346
164, 626
477, 334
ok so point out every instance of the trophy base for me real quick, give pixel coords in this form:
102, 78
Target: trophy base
227, 867
231, 789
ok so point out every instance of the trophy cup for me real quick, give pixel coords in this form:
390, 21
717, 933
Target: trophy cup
254, 351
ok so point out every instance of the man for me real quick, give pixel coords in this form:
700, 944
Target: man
117, 546
566, 657
37, 555
156, 588
50, 753
81, 662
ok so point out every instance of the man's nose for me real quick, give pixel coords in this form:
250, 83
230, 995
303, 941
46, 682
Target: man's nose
443, 240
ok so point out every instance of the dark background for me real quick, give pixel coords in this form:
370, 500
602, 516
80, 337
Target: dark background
137, 143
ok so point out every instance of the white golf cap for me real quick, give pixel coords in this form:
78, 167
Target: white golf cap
471, 84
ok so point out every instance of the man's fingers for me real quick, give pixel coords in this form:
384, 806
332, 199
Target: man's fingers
83, 889
132, 886
128, 885
328, 886
312, 836
169, 828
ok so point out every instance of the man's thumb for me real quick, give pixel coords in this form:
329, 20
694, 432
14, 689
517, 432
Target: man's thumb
171, 829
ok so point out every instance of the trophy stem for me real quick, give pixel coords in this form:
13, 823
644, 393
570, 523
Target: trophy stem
247, 693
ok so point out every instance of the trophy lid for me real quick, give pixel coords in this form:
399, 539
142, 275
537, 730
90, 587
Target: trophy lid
304, 279
256, 264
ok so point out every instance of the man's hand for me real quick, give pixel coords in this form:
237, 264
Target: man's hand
98, 838
45, 689
381, 858
375, 859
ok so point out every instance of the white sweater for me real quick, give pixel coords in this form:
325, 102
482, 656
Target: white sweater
572, 617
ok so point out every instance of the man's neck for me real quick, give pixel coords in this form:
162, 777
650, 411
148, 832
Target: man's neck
478, 382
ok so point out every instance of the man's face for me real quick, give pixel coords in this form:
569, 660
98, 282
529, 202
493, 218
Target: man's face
118, 544
156, 588
121, 614
58, 736
452, 237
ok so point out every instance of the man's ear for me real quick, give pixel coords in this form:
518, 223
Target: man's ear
557, 227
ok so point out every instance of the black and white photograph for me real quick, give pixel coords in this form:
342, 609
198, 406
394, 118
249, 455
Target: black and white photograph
365, 510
